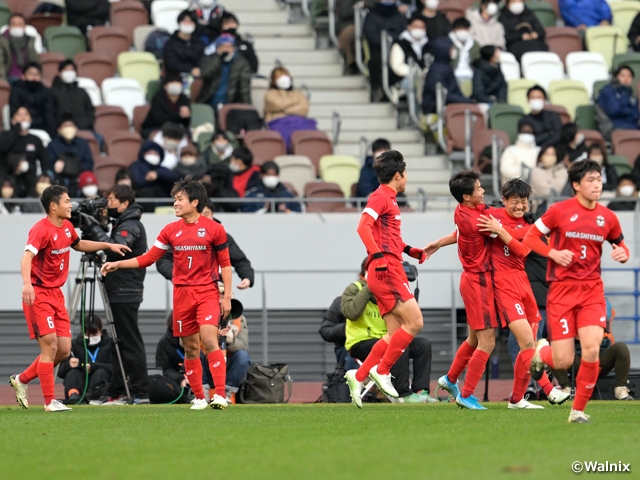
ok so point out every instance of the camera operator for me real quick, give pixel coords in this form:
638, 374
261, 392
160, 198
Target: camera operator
124, 288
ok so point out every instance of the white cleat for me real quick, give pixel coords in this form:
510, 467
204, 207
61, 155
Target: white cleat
383, 382
523, 404
355, 387
22, 390
199, 404
537, 365
557, 396
218, 402
576, 416
56, 406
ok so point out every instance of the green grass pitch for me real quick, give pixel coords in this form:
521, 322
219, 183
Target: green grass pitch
381, 441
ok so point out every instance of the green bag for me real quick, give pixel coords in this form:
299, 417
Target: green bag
266, 384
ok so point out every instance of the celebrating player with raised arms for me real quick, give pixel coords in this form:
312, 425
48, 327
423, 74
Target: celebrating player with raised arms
200, 248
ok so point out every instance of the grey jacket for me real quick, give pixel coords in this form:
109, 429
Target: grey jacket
239, 90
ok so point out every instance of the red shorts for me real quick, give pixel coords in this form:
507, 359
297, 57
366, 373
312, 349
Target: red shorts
572, 305
48, 314
477, 294
514, 297
194, 306
391, 290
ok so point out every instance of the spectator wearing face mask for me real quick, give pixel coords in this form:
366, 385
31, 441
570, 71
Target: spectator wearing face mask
67, 142
549, 176
70, 99
246, 175
221, 149
16, 49
184, 50
21, 153
88, 184
626, 189
270, 187
411, 44
437, 23
31, 93
523, 31
169, 104
546, 124
208, 13
87, 13
226, 75
467, 50
7, 192
229, 24
485, 27
598, 153
619, 102
190, 164
150, 179
519, 159
489, 85
368, 181
172, 138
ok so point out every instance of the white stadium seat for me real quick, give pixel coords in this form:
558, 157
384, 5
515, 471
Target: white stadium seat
542, 67
123, 92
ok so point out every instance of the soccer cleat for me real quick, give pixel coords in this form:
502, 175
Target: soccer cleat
452, 388
56, 406
429, 398
355, 387
121, 400
470, 402
576, 416
199, 404
523, 404
218, 402
414, 398
383, 382
537, 365
622, 393
557, 396
22, 391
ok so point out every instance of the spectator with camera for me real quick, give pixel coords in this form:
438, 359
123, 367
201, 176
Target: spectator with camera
90, 355
270, 187
124, 288
333, 330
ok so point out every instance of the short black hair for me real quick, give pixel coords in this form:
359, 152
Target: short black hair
460, 22
539, 88
526, 121
29, 65
188, 13
171, 77
380, 144
219, 134
487, 52
15, 109
463, 183
626, 176
65, 117
94, 326
210, 205
226, 16
122, 174
624, 67
51, 195
270, 165
193, 190
568, 132
173, 130
414, 17
243, 154
65, 63
578, 170
388, 164
124, 193
515, 188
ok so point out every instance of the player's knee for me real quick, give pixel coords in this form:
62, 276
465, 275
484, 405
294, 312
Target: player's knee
487, 344
563, 362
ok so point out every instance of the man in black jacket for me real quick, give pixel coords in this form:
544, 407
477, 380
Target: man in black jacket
30, 92
183, 51
124, 288
546, 124
332, 330
229, 24
70, 98
84, 13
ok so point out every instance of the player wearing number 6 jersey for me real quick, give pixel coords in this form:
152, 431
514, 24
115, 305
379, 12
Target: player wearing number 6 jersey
45, 267
200, 249
577, 228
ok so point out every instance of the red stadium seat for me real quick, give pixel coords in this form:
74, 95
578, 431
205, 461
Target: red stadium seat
593, 136
453, 9
110, 118
324, 190
111, 41
482, 138
560, 110
93, 143
95, 65
313, 144
50, 62
106, 169
454, 122
40, 21
563, 40
626, 143
128, 14
139, 116
5, 92
265, 145
123, 144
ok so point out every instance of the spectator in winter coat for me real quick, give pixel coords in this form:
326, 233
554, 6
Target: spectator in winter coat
549, 176
245, 175
441, 72
208, 13
368, 181
172, 138
149, 178
634, 33
489, 85
412, 44
485, 27
618, 100
598, 153
467, 50
270, 187
85, 13
169, 104
184, 50
626, 189
220, 150
68, 142
70, 99
546, 124
437, 23
585, 13
190, 164
31, 93
384, 16
229, 24
571, 146
523, 31
519, 159
16, 49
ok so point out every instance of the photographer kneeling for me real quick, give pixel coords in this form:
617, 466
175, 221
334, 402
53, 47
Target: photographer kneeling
124, 288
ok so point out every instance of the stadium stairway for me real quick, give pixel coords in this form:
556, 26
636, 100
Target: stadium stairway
294, 46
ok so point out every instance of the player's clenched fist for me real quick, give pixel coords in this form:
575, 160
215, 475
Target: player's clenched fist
28, 294
561, 257
619, 254
108, 268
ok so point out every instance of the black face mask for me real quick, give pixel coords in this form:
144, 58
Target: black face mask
113, 213
230, 31
32, 85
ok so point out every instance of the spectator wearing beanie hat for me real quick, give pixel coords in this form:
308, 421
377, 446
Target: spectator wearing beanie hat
88, 184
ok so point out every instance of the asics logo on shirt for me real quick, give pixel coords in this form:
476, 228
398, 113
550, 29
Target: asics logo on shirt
189, 372
574, 218
217, 364
179, 233
209, 317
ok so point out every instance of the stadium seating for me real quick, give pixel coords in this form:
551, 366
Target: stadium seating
452, 9
620, 163
65, 39
606, 40
5, 13
259, 87
139, 116
568, 93
517, 93
202, 113
561, 111
563, 40
324, 190
5, 91
140, 34
42, 21
482, 138
110, 118
93, 143
95, 65
106, 169
32, 32
623, 14
587, 67
50, 62
542, 67
629, 59
124, 92
92, 89
109, 41
42, 135
265, 145
296, 170
585, 117
224, 111
626, 143
164, 14
141, 66
454, 118
26, 7
128, 14
593, 136
123, 144
544, 11
597, 86
505, 117
341, 169
509, 66
312, 144
152, 88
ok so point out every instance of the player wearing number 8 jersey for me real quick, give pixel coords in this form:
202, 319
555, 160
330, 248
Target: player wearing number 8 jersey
200, 250
577, 228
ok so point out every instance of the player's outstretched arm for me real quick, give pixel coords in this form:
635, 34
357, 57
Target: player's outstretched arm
620, 252
534, 241
89, 246
433, 247
28, 294
109, 267
142, 261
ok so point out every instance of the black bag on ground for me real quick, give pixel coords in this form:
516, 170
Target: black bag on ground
335, 389
165, 390
266, 384
239, 120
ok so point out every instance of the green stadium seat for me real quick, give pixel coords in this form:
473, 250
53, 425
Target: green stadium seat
623, 13
599, 85
5, 13
341, 169
65, 39
505, 117
544, 11
606, 40
629, 59
585, 117
152, 88
202, 113
620, 163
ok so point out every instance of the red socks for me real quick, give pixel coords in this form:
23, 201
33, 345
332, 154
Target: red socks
45, 373
585, 383
463, 355
475, 370
546, 354
545, 384
193, 371
399, 342
521, 374
374, 357
218, 369
30, 373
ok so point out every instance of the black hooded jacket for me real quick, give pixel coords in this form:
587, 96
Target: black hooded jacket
70, 98
38, 100
101, 352
170, 357
182, 56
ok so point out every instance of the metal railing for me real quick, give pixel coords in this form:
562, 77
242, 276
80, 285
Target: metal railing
635, 293
359, 13
412, 95
441, 97
332, 23
336, 126
386, 42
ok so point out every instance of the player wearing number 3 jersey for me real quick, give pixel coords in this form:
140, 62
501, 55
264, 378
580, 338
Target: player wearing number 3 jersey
577, 228
200, 250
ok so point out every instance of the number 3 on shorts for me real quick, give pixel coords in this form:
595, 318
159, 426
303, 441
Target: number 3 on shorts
565, 326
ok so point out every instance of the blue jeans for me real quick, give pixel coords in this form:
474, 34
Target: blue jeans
512, 345
237, 366
345, 360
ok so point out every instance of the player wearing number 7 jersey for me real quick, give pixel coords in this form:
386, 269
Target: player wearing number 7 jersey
200, 250
577, 228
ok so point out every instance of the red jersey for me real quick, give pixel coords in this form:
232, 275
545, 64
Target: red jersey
473, 245
501, 257
51, 246
383, 207
195, 247
571, 226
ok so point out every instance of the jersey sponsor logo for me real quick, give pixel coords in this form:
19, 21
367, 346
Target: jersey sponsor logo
188, 248
201, 232
60, 251
600, 221
585, 236
209, 317
67, 232
217, 364
179, 233
574, 218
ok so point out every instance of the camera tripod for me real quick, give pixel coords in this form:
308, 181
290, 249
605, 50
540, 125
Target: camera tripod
79, 296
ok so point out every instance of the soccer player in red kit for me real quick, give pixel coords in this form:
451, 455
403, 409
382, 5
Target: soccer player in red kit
199, 249
379, 230
45, 268
577, 228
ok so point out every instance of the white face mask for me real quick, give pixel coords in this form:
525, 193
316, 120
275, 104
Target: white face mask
152, 159
171, 145
188, 160
626, 190
174, 88
90, 190
528, 138
206, 3
41, 187
516, 8
284, 82
17, 32
234, 167
536, 104
24, 125
95, 340
463, 35
24, 166
220, 147
68, 76
418, 33
187, 28
548, 161
271, 181
492, 9
432, 4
